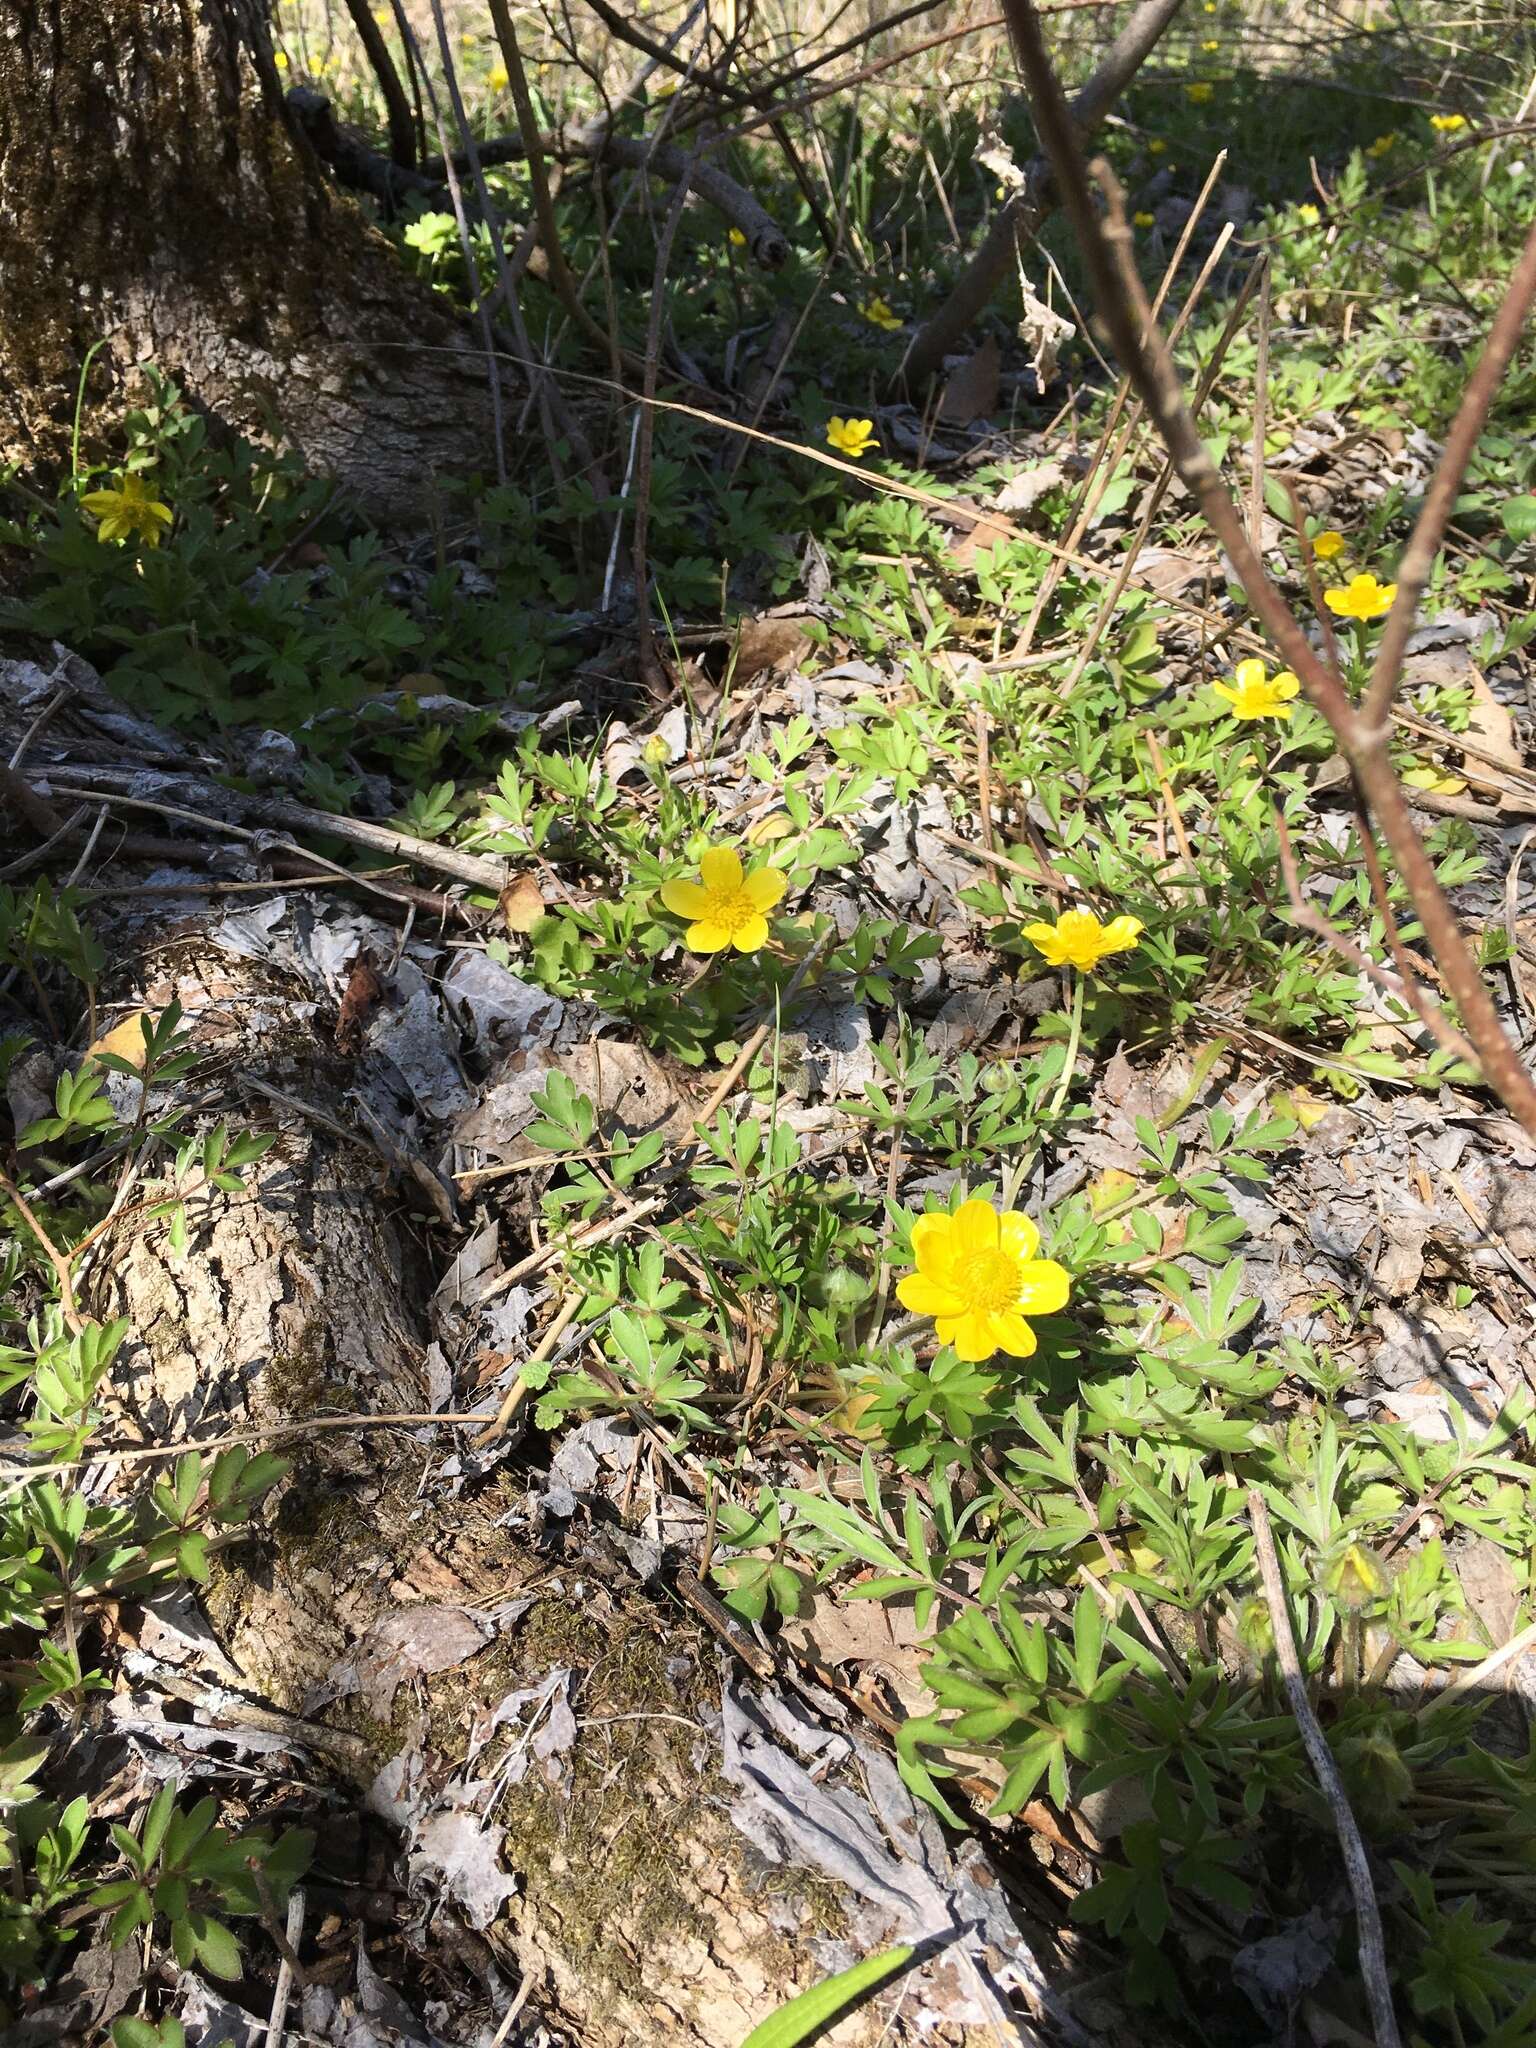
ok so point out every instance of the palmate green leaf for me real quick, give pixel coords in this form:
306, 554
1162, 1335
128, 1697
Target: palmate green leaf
849, 1530
804, 2017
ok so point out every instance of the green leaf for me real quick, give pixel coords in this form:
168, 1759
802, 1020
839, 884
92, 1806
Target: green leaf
1519, 517
215, 1946
805, 2016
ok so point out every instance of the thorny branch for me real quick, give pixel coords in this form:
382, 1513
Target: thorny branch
1362, 735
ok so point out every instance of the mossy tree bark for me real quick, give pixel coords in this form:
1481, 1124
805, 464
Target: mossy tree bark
154, 197
634, 1904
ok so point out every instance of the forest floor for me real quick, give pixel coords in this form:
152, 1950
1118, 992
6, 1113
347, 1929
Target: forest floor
960, 1644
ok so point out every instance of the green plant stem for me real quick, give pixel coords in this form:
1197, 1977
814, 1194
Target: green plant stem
1074, 1039
74, 439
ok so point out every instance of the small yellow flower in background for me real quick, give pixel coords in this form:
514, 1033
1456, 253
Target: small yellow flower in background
663, 88
280, 59
1156, 146
1361, 598
736, 238
499, 79
1201, 91
1077, 939
1145, 220
1328, 544
1211, 43
851, 437
1382, 144
1447, 124
727, 905
879, 314
124, 510
1308, 215
978, 1276
1254, 693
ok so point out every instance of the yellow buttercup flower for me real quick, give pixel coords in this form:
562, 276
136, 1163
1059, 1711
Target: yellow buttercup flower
1211, 43
1328, 544
1077, 939
879, 314
499, 79
1201, 91
1156, 146
1447, 124
127, 510
1362, 598
736, 238
851, 437
1145, 220
280, 59
1382, 144
1254, 693
1308, 215
978, 1276
727, 905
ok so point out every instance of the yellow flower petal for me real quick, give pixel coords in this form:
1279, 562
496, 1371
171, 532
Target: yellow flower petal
1046, 940
1250, 674
1121, 933
1014, 1335
751, 934
927, 1297
1044, 1288
1225, 690
720, 869
1017, 1234
975, 1227
707, 937
933, 1245
684, 899
974, 1336
764, 887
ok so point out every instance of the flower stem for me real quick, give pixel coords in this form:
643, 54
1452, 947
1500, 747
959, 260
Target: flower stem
1074, 1039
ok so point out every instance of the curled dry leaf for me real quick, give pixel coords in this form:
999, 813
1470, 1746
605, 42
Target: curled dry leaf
522, 903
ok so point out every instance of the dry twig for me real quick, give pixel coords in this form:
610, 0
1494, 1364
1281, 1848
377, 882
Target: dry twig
1373, 1955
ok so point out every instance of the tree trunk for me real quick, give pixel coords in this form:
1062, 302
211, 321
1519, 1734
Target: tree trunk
616, 1880
154, 198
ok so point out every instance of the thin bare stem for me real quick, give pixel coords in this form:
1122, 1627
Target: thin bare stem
1373, 1953
1418, 560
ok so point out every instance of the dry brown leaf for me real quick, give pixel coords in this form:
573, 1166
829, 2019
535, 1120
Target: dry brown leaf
522, 903
1492, 726
364, 991
765, 644
125, 1040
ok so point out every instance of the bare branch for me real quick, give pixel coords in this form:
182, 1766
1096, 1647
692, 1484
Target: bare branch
1440, 499
1021, 219
1122, 305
